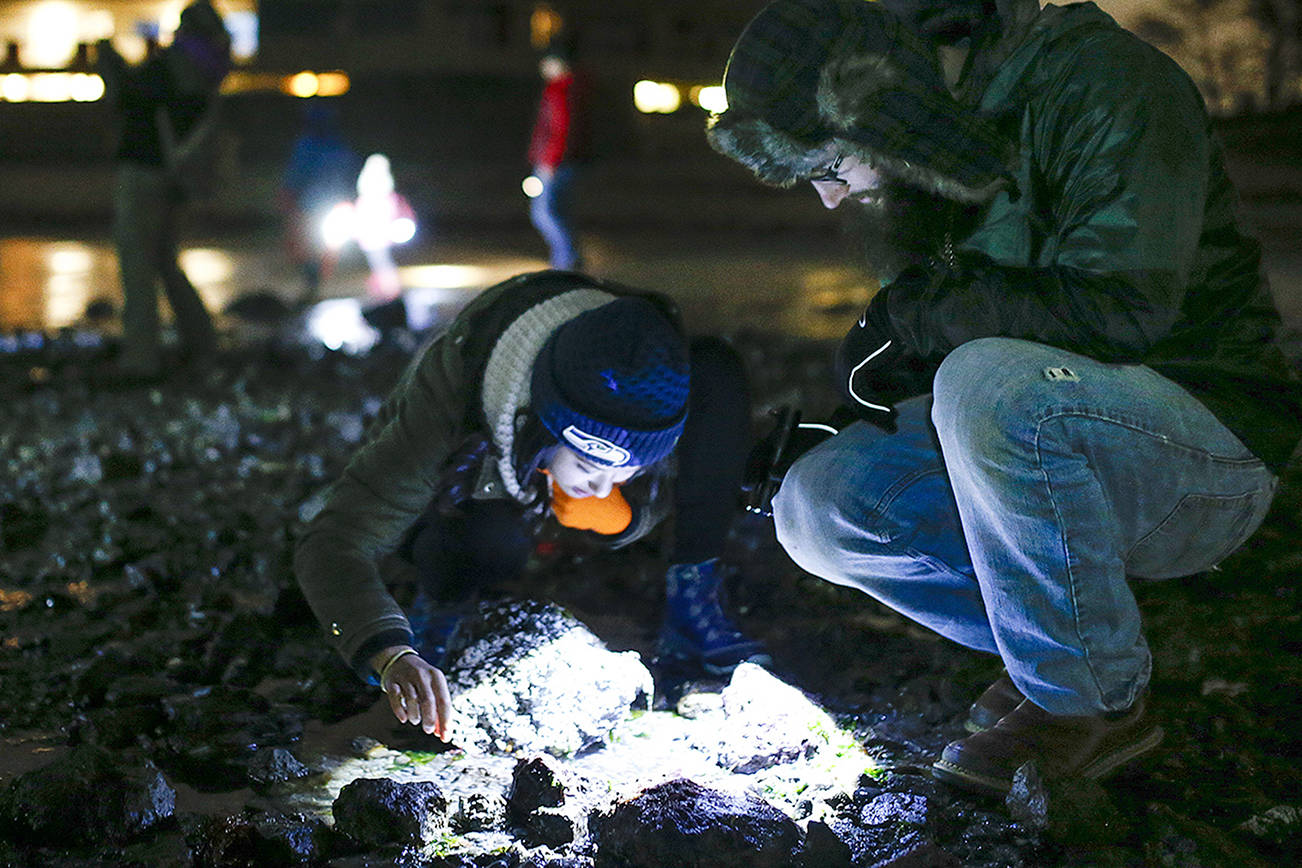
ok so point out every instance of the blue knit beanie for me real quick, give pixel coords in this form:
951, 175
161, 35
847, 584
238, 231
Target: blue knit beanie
612, 384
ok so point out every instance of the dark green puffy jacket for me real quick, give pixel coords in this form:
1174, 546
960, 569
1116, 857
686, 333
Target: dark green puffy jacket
1120, 239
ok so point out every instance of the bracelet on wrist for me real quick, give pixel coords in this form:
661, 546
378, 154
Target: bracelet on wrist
388, 664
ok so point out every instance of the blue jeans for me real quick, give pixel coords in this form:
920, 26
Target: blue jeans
550, 214
1015, 501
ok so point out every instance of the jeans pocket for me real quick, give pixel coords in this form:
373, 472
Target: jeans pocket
1201, 531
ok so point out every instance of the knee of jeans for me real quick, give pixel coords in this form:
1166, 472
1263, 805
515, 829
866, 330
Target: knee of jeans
804, 516
971, 407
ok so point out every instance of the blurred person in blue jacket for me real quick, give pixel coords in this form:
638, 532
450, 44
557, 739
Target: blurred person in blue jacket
319, 174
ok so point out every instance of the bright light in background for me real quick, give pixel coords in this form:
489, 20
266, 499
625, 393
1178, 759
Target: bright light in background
51, 87
243, 27
51, 35
532, 186
168, 20
85, 87
332, 84
402, 230
338, 324
308, 84
207, 265
305, 84
96, 24
15, 87
70, 259
445, 276
68, 284
656, 97
338, 226
709, 97
544, 23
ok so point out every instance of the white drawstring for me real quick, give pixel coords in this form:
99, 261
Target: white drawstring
850, 383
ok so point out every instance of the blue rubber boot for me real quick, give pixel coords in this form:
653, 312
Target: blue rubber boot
434, 628
695, 627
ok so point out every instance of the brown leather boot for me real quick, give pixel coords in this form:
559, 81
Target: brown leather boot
1062, 746
999, 699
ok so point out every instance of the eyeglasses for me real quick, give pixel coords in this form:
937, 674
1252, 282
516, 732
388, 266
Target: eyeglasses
831, 174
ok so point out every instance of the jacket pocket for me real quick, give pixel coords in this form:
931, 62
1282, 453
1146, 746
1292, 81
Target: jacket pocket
1200, 532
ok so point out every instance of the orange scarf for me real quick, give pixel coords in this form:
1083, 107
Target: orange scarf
607, 515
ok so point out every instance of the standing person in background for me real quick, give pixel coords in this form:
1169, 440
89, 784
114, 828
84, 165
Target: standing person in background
168, 111
382, 217
319, 175
558, 147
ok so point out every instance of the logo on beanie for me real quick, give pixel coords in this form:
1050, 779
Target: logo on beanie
596, 448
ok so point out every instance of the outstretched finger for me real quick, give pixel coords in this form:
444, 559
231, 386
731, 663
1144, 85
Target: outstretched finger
429, 719
393, 690
411, 699
443, 705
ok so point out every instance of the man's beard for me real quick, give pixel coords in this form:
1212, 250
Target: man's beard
904, 225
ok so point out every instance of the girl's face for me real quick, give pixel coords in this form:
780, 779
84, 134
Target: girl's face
578, 477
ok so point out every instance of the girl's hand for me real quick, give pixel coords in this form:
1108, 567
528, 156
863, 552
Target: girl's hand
418, 692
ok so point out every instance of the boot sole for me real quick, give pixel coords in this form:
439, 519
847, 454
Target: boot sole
1096, 769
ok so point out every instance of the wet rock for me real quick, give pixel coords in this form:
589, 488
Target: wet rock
89, 795
120, 726
213, 734
1028, 798
534, 784
1069, 811
531, 678
479, 812
536, 804
1178, 841
681, 822
235, 656
868, 845
768, 722
275, 765
1279, 825
377, 811
908, 809
919, 854
258, 839
824, 848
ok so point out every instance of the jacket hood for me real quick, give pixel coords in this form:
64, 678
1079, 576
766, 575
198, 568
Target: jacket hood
809, 79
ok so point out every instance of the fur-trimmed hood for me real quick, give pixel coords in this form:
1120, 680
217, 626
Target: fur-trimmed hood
810, 79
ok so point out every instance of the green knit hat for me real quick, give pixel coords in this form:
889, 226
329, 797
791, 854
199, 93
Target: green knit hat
810, 79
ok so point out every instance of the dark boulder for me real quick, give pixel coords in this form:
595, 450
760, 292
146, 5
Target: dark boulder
378, 811
88, 796
682, 823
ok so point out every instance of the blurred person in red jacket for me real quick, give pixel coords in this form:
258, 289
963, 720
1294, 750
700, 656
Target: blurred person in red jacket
557, 149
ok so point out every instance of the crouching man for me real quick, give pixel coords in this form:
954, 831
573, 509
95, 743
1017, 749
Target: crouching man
1100, 395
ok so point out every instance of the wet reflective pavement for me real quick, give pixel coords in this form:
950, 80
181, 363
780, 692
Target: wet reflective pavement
801, 283
803, 287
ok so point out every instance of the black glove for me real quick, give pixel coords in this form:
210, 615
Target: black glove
866, 366
773, 456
